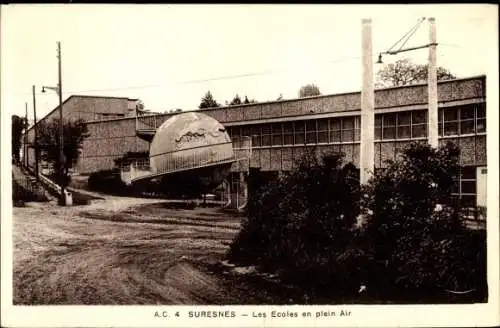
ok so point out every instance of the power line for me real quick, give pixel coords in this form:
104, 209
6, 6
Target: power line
228, 77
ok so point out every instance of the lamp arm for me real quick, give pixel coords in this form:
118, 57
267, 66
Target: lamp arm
56, 89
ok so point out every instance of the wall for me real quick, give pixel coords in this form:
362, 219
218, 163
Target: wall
87, 108
111, 139
108, 140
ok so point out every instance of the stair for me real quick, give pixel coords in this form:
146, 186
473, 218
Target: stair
29, 184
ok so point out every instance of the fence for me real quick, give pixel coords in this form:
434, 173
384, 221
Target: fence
148, 122
192, 158
27, 189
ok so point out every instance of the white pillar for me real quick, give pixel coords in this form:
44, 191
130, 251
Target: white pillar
367, 149
432, 87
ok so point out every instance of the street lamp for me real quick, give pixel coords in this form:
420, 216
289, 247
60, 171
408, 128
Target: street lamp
431, 80
58, 89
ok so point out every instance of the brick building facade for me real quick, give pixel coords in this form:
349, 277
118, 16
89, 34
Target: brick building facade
281, 130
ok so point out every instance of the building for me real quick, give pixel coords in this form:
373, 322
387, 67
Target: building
86, 108
281, 131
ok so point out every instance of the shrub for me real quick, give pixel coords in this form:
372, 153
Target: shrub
299, 223
108, 181
413, 251
409, 250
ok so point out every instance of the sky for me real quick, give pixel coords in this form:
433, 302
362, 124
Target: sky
169, 56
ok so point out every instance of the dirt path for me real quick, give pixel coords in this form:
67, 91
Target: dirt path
120, 251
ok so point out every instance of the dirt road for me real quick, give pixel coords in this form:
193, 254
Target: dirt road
121, 251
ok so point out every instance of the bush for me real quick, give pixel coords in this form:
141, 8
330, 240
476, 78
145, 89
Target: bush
108, 181
413, 251
409, 250
299, 223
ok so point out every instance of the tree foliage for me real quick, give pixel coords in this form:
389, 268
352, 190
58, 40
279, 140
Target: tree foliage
302, 229
309, 90
404, 72
74, 132
297, 223
236, 100
18, 124
208, 101
413, 248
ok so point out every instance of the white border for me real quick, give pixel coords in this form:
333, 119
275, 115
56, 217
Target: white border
373, 315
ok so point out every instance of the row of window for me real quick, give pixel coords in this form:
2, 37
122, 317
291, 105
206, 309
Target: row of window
403, 125
323, 131
469, 119
461, 120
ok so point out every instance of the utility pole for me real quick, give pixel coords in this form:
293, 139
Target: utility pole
36, 134
61, 128
432, 86
26, 136
367, 149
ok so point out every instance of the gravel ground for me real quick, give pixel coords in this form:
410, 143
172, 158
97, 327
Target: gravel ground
123, 251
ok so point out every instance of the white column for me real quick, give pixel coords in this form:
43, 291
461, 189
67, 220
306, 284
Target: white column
432, 87
367, 149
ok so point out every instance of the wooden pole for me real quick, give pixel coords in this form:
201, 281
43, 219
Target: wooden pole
26, 156
36, 134
61, 127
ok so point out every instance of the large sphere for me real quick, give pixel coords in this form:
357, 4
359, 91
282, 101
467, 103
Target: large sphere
192, 148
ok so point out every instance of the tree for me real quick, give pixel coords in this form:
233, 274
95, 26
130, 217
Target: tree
298, 222
309, 90
208, 101
74, 132
18, 124
236, 100
404, 72
416, 247
252, 101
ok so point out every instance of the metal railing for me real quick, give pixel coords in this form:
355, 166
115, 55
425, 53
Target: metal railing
24, 184
148, 122
192, 158
46, 182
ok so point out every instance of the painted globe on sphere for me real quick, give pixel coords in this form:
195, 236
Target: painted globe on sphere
193, 152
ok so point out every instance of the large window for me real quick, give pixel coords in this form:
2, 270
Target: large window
288, 135
462, 120
266, 135
277, 134
480, 118
256, 133
403, 125
419, 124
345, 129
311, 132
323, 130
465, 186
299, 132
335, 130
